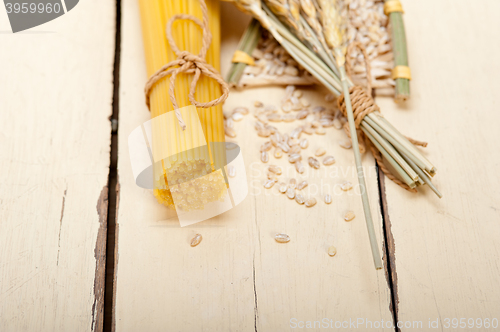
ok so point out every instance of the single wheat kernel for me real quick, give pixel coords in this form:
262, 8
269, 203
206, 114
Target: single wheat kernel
313, 162
294, 158
258, 125
320, 152
308, 129
264, 132
290, 193
310, 119
311, 202
328, 199
302, 114
299, 199
297, 93
299, 167
272, 129
284, 147
302, 185
266, 146
293, 183
326, 123
278, 153
345, 143
305, 102
287, 107
272, 176
328, 160
282, 238
231, 171
242, 110
337, 124
275, 139
230, 132
262, 118
296, 133
269, 184
274, 117
275, 169
346, 186
283, 187
292, 141
349, 216
230, 123
264, 156
237, 116
289, 90
294, 149
320, 131
304, 143
196, 240
332, 251
329, 98
258, 104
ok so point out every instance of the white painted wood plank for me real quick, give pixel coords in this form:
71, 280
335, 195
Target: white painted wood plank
447, 251
239, 278
55, 96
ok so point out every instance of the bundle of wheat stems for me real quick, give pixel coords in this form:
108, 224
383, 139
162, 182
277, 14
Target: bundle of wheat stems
313, 33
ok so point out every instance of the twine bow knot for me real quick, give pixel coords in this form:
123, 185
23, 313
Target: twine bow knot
188, 63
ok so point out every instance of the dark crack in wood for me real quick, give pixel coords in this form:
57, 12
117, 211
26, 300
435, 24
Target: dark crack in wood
114, 185
389, 256
100, 261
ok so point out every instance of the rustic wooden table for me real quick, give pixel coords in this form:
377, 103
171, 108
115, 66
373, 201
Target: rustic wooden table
60, 85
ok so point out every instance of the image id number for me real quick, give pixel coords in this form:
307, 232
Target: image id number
32, 8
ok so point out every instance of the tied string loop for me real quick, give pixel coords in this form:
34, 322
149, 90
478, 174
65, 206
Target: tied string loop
188, 63
362, 105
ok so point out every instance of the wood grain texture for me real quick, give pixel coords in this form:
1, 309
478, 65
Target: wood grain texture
447, 251
55, 96
239, 278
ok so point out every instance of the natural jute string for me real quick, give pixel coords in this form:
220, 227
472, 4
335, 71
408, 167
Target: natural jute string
362, 105
188, 63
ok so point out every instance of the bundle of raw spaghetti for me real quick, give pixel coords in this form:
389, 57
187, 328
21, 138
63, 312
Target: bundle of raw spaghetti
185, 148
313, 33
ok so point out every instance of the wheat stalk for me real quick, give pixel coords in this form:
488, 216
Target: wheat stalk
335, 28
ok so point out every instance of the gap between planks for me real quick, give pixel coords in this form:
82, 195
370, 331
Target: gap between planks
389, 249
114, 192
